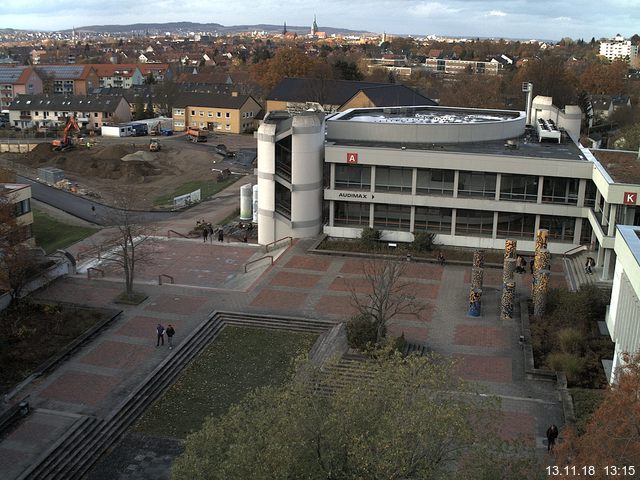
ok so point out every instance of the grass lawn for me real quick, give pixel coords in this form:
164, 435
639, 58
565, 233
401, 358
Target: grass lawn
237, 362
207, 189
52, 234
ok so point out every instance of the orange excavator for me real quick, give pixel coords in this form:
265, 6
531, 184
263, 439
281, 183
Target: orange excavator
66, 143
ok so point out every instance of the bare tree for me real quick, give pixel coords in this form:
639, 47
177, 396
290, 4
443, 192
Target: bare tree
130, 245
387, 294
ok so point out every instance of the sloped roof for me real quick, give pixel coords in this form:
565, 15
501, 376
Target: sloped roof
212, 100
66, 72
147, 68
394, 95
111, 69
330, 92
14, 75
78, 103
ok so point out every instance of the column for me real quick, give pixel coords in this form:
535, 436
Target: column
456, 180
508, 284
540, 186
613, 210
412, 219
494, 231
606, 267
332, 212
498, 183
582, 189
477, 275
599, 256
332, 176
414, 181
453, 221
577, 231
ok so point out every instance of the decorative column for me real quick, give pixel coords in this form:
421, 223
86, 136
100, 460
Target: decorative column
477, 276
508, 284
541, 273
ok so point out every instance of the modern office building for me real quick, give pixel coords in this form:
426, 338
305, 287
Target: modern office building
473, 177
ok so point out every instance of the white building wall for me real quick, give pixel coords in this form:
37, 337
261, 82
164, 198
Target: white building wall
266, 184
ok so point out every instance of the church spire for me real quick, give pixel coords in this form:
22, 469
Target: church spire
284, 30
314, 27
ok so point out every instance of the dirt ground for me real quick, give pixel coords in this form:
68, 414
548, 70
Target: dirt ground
101, 170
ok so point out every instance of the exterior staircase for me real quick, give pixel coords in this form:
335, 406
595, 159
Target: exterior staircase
576, 274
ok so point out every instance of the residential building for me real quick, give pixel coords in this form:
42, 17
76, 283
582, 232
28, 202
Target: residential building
299, 94
67, 79
91, 112
159, 71
473, 177
17, 81
618, 48
118, 75
449, 65
19, 196
221, 113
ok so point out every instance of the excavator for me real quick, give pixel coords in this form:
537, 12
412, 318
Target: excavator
66, 143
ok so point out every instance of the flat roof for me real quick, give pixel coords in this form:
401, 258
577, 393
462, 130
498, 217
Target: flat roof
622, 166
426, 115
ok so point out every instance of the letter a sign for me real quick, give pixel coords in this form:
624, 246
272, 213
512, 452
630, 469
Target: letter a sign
352, 158
630, 198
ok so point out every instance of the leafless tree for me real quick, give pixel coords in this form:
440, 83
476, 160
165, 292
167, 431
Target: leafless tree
130, 245
387, 294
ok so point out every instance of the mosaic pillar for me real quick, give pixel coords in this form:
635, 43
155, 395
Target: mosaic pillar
542, 237
477, 276
506, 304
540, 297
541, 273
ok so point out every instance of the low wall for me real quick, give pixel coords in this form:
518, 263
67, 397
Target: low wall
17, 147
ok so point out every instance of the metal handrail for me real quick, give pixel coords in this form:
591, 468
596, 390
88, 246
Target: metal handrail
574, 250
257, 260
177, 233
95, 269
266, 247
164, 275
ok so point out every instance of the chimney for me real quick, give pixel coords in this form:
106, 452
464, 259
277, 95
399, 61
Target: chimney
234, 94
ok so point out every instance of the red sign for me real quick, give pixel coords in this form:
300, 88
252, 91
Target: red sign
352, 158
630, 198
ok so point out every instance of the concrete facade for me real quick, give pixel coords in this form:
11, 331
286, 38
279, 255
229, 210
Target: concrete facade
19, 195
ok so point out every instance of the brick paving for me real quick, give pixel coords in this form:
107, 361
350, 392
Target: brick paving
295, 279
117, 355
481, 336
178, 304
279, 299
78, 387
484, 368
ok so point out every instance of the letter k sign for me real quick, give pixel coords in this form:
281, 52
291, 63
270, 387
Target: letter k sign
630, 198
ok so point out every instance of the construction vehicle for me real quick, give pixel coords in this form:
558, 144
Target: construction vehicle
66, 142
155, 130
154, 145
196, 135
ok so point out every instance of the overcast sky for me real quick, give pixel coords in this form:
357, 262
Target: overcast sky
541, 19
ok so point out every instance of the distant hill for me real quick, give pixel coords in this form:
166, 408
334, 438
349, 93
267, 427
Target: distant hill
183, 27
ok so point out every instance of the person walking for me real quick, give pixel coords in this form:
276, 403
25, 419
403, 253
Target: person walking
205, 233
160, 332
170, 332
552, 434
210, 230
531, 265
441, 259
220, 235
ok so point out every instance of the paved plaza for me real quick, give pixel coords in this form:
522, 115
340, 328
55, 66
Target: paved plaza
210, 277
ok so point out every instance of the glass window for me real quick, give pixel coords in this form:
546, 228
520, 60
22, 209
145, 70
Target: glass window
393, 179
356, 177
561, 229
522, 188
474, 222
193, 112
516, 225
227, 114
590, 194
392, 217
283, 200
354, 214
432, 219
218, 114
560, 190
433, 181
22, 207
477, 184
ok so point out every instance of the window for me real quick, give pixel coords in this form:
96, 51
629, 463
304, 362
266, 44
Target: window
356, 177
178, 124
95, 114
201, 113
218, 114
477, 184
474, 222
227, 115
590, 194
392, 217
354, 214
193, 112
435, 182
433, 219
522, 188
516, 225
283, 200
560, 190
179, 111
36, 113
393, 179
561, 229
23, 207
227, 127
209, 114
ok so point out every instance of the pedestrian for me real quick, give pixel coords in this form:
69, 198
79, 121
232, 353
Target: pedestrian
552, 434
441, 259
519, 267
245, 237
531, 265
220, 235
170, 332
160, 332
210, 230
205, 233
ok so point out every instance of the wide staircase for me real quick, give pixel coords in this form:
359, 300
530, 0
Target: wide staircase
576, 274
72, 456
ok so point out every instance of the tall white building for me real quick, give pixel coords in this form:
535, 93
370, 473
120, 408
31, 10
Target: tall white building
619, 48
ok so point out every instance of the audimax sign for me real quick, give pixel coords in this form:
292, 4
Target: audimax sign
362, 196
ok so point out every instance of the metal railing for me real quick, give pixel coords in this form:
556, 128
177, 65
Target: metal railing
164, 275
257, 260
579, 248
275, 242
93, 269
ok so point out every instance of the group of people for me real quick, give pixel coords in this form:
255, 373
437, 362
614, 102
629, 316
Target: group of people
521, 264
161, 331
207, 231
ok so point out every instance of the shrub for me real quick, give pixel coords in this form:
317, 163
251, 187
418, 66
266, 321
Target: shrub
571, 340
568, 363
361, 332
396, 343
423, 242
370, 236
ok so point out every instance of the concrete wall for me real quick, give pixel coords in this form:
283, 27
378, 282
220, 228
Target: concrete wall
17, 147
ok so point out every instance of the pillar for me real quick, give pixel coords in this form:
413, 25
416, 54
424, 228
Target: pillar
540, 297
477, 276
508, 284
506, 305
541, 273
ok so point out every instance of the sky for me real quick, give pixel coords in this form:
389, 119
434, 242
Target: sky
522, 19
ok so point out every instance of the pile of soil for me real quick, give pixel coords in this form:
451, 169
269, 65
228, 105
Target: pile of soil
103, 162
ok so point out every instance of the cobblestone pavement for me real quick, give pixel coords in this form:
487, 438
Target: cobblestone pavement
101, 374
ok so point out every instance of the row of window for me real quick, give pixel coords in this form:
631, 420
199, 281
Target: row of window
468, 222
522, 188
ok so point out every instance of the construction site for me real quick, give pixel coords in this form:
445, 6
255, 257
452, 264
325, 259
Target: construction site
99, 167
